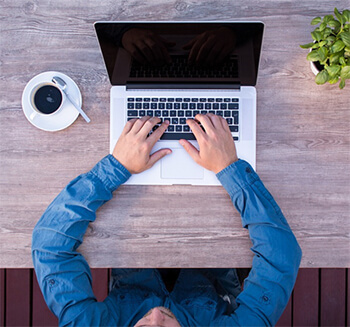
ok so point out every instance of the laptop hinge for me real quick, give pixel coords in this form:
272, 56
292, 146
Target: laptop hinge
154, 86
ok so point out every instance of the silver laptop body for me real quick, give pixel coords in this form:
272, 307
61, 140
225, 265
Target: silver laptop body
142, 85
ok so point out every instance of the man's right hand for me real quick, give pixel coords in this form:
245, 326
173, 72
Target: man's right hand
216, 146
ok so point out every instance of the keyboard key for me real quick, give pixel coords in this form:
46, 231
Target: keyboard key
157, 113
234, 100
165, 113
131, 99
184, 106
171, 99
204, 112
162, 99
211, 100
219, 113
199, 105
142, 113
234, 128
161, 105
192, 106
153, 105
150, 113
218, 99
235, 138
181, 113
235, 117
223, 106
177, 105
138, 99
229, 121
145, 105
195, 112
187, 100
208, 106
194, 99
131, 105
178, 99
146, 100
175, 121
227, 113
233, 105
132, 113
227, 100
212, 112
154, 99
171, 128
169, 105
215, 106
203, 100
186, 128
183, 121
188, 113
178, 128
172, 113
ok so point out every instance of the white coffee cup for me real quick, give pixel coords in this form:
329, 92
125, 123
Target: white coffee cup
46, 99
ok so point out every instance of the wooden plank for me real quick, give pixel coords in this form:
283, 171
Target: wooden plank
300, 152
41, 315
305, 298
18, 299
2, 297
333, 297
286, 318
100, 278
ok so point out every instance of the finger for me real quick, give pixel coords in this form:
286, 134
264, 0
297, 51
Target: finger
158, 133
189, 44
215, 120
195, 49
162, 51
225, 125
138, 124
206, 122
154, 45
128, 126
157, 156
148, 125
204, 51
191, 150
196, 129
147, 53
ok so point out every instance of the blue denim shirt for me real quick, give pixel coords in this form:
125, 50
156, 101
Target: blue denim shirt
65, 278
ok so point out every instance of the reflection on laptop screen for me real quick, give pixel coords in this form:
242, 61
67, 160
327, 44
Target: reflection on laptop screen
181, 52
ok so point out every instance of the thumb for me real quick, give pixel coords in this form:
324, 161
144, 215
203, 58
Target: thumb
191, 150
189, 44
158, 155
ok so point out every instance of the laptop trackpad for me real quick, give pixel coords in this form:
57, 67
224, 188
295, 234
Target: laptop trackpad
180, 165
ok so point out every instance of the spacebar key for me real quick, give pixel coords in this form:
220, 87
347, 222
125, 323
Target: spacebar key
177, 136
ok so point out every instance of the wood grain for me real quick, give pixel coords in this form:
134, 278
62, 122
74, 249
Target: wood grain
303, 142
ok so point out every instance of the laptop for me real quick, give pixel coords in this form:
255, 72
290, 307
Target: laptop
175, 70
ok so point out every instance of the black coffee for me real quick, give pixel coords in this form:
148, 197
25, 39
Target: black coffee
47, 99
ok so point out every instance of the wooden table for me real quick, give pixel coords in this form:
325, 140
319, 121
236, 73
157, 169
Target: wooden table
303, 148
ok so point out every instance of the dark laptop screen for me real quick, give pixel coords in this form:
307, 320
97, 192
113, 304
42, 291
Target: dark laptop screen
164, 52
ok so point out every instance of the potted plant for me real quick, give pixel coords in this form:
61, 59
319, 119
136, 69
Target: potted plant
330, 49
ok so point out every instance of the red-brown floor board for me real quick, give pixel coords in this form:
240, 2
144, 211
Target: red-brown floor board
286, 318
333, 297
100, 283
42, 316
305, 298
18, 291
2, 297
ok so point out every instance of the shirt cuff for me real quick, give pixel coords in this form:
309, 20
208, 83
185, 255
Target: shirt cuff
111, 172
236, 176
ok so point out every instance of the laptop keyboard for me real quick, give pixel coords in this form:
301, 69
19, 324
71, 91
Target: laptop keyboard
177, 110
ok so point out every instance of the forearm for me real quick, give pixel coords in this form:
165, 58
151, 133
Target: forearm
59, 267
277, 253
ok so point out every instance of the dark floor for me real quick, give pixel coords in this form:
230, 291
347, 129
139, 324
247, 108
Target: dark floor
321, 297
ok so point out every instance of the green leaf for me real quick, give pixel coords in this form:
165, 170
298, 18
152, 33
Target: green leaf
316, 45
345, 72
342, 83
334, 24
342, 61
322, 26
313, 56
345, 36
327, 31
333, 80
322, 77
330, 40
338, 15
316, 35
323, 53
337, 46
333, 70
334, 58
327, 18
346, 16
316, 21
307, 46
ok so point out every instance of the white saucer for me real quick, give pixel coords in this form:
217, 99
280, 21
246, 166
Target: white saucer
60, 119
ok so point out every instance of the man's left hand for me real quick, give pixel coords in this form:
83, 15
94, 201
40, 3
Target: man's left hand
133, 149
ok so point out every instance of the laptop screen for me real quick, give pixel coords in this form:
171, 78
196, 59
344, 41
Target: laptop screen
176, 52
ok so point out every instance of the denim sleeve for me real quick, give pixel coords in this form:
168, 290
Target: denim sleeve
276, 251
63, 274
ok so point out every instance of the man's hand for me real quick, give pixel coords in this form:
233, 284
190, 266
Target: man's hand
134, 147
216, 147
